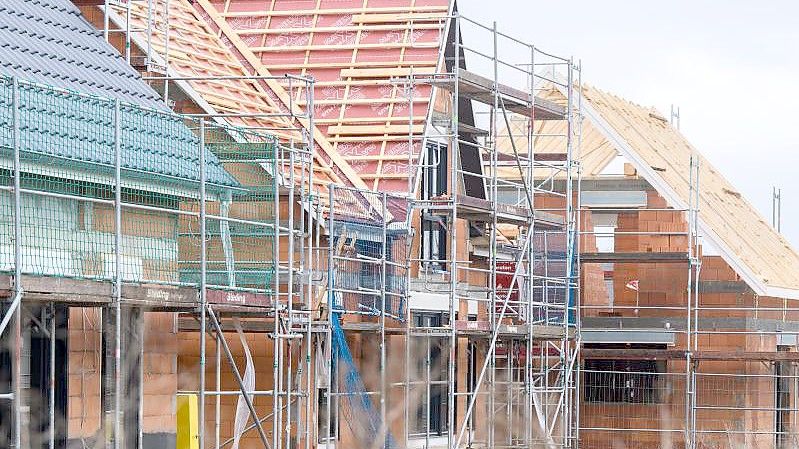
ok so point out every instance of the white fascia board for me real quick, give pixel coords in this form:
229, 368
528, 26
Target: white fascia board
672, 198
782, 292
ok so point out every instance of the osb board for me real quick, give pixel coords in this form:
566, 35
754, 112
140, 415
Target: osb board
353, 49
722, 208
195, 49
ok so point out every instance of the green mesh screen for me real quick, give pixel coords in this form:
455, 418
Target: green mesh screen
67, 149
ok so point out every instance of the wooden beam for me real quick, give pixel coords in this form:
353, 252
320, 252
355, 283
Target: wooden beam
341, 65
387, 72
373, 18
341, 29
337, 47
371, 130
380, 121
336, 11
281, 94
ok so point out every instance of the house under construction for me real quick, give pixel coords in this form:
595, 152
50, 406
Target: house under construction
364, 224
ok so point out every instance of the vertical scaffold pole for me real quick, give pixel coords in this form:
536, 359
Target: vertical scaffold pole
290, 291
117, 277
453, 251
492, 263
689, 387
528, 362
331, 297
572, 230
203, 288
577, 237
218, 398
15, 308
277, 347
106, 19
51, 395
306, 263
383, 367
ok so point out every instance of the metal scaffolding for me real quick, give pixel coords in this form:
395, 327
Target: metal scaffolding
708, 363
498, 226
498, 231
124, 213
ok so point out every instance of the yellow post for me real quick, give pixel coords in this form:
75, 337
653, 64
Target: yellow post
187, 426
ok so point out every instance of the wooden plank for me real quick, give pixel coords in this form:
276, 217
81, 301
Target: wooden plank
341, 29
338, 47
746, 356
239, 298
388, 138
372, 130
66, 286
387, 72
373, 120
379, 157
161, 294
363, 101
372, 18
336, 11
480, 88
77, 292
384, 176
340, 64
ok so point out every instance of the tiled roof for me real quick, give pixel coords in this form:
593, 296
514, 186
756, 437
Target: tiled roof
353, 49
49, 43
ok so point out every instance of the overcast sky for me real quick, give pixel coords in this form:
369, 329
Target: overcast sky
732, 67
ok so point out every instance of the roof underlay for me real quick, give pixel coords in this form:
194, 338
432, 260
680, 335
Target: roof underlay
353, 49
760, 255
198, 48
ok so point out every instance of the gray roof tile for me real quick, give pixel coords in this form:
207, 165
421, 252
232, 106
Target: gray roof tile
48, 42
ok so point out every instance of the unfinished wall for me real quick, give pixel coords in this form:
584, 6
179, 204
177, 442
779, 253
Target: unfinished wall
735, 398
85, 361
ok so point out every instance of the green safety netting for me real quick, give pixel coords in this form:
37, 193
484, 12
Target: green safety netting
67, 148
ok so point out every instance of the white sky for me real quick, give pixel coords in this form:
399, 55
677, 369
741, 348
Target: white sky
731, 66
